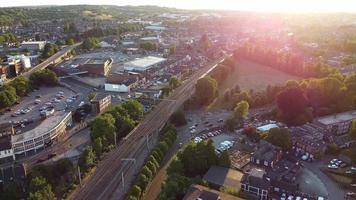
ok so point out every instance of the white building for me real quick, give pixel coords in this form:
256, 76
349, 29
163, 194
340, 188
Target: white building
33, 45
154, 39
43, 134
24, 60
155, 28
143, 64
116, 88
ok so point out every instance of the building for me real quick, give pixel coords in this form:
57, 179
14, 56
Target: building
33, 45
152, 39
24, 60
255, 183
124, 82
101, 102
267, 127
338, 124
309, 139
17, 173
44, 134
143, 64
199, 192
155, 28
97, 67
219, 177
266, 154
6, 152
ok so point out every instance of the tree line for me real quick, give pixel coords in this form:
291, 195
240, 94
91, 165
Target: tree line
153, 163
108, 128
11, 92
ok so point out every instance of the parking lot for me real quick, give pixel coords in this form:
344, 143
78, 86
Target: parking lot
37, 104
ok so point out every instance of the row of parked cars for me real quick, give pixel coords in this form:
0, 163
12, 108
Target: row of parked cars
207, 135
336, 164
291, 197
225, 145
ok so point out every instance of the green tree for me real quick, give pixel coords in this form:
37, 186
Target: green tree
280, 137
98, 147
90, 43
40, 189
87, 159
134, 109
91, 95
21, 85
103, 127
224, 159
148, 46
174, 82
70, 41
176, 167
136, 191
178, 118
206, 90
49, 50
147, 172
241, 110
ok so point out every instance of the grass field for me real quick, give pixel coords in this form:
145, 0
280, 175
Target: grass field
250, 75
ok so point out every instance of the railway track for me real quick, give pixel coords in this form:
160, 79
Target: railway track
104, 182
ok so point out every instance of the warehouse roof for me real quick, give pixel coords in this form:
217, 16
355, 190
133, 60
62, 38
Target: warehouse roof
337, 118
145, 62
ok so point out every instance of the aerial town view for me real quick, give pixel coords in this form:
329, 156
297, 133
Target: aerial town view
178, 100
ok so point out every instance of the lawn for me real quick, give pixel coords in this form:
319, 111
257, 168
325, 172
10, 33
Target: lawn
250, 75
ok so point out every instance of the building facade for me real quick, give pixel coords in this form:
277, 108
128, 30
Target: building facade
41, 136
100, 103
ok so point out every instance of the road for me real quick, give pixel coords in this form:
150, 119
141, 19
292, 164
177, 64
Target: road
49, 60
105, 182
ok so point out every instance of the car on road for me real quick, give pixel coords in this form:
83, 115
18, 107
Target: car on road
332, 166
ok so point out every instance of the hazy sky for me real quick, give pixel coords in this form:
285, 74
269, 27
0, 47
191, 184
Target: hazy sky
256, 5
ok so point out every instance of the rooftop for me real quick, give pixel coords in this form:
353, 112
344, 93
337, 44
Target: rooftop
201, 192
267, 127
149, 38
45, 126
145, 62
266, 151
223, 176
97, 60
337, 118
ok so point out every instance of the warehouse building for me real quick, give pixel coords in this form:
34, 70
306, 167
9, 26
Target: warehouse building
143, 64
97, 67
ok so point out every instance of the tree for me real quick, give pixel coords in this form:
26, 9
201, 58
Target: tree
136, 191
205, 42
176, 167
241, 110
172, 49
173, 82
49, 50
21, 85
40, 189
206, 90
70, 41
148, 46
353, 130
224, 159
43, 77
90, 43
147, 172
230, 123
292, 103
104, 127
280, 137
87, 159
134, 109
91, 95
98, 147
178, 118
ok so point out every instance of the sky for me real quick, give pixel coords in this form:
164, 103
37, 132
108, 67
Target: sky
251, 5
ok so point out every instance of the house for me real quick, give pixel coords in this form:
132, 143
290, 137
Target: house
199, 192
218, 176
266, 154
255, 183
101, 102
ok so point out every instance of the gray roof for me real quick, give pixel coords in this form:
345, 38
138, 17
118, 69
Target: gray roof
223, 176
337, 118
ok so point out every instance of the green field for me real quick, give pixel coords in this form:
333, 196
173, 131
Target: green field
250, 75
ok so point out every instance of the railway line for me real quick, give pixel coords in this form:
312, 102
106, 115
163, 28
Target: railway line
103, 184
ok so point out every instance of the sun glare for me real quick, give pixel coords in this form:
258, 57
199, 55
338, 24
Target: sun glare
274, 5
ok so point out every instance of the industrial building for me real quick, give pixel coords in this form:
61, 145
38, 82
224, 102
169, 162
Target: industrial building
143, 64
97, 67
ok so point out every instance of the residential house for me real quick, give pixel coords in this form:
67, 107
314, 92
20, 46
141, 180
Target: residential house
266, 154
